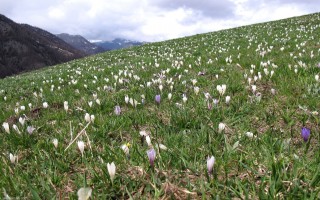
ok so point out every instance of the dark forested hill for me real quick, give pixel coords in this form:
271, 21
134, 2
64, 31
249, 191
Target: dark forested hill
24, 48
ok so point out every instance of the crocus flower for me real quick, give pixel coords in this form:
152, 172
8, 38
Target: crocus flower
126, 99
184, 98
55, 142
15, 127
253, 88
87, 117
157, 98
221, 127
81, 146
117, 110
45, 105
65, 105
148, 140
125, 149
228, 99
152, 156
30, 129
305, 133
169, 96
6, 127
112, 170
196, 90
249, 134
210, 163
13, 158
84, 193
22, 120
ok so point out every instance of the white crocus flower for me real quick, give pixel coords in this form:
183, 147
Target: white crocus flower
228, 99
148, 140
81, 146
15, 127
84, 193
253, 88
45, 105
249, 134
210, 163
6, 127
87, 117
65, 106
112, 170
13, 158
196, 90
221, 127
126, 99
55, 142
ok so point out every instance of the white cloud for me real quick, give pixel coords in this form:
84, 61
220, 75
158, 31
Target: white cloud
149, 20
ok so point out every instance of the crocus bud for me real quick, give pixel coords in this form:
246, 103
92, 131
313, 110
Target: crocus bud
152, 156
15, 127
84, 193
221, 127
117, 110
305, 133
148, 140
13, 158
87, 117
249, 134
253, 88
112, 170
184, 98
125, 149
45, 105
55, 142
126, 99
6, 127
228, 99
210, 163
196, 90
157, 98
22, 120
81, 146
90, 104
65, 105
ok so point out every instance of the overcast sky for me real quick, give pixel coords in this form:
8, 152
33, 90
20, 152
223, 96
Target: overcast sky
149, 20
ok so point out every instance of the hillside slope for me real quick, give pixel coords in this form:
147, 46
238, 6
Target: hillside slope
24, 48
232, 114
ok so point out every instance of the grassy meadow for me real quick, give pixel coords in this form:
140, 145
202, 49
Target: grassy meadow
232, 114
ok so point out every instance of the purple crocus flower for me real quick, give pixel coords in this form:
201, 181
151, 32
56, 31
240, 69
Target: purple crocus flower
305, 133
158, 98
152, 156
117, 110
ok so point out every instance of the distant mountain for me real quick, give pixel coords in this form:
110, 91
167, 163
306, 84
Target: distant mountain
80, 43
118, 43
24, 48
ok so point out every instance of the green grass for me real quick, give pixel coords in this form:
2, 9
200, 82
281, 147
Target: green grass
275, 163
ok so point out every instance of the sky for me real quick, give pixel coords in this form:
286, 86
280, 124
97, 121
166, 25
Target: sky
149, 20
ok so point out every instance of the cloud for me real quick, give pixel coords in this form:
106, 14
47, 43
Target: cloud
213, 9
148, 20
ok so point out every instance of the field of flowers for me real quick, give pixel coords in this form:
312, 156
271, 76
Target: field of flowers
232, 114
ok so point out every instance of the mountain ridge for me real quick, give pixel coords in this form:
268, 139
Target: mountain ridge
24, 47
80, 43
